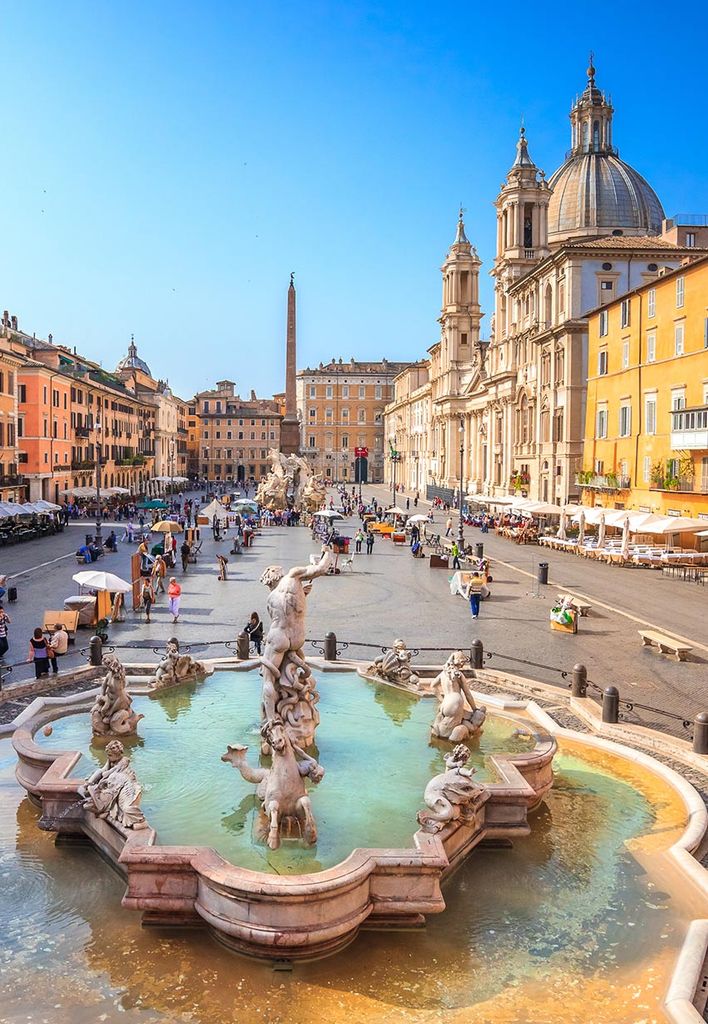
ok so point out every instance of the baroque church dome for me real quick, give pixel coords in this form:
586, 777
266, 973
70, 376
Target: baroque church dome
596, 194
133, 361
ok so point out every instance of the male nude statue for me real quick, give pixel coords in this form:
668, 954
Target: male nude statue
286, 607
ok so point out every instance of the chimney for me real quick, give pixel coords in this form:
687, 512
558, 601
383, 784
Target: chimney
6, 318
253, 395
50, 339
14, 323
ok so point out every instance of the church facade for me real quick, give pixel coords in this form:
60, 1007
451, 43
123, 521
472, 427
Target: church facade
508, 415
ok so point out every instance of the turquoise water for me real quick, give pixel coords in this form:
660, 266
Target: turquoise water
373, 742
567, 911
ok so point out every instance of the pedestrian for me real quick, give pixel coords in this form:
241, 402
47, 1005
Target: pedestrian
147, 597
408, 504
59, 642
369, 542
415, 501
448, 526
455, 551
215, 527
185, 551
358, 540
254, 629
159, 571
475, 593
39, 653
174, 593
223, 562
5, 621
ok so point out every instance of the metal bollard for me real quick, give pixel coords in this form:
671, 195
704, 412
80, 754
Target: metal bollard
477, 654
700, 733
243, 646
610, 704
579, 684
330, 647
95, 651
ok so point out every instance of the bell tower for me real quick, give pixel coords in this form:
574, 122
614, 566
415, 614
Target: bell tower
522, 229
460, 315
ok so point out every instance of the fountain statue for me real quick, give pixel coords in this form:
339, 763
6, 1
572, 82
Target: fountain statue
112, 714
454, 721
309, 488
449, 794
281, 788
113, 791
288, 684
176, 669
394, 666
273, 492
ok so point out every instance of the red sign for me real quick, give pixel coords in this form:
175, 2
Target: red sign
361, 453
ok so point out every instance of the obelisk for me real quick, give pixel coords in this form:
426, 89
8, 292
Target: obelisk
290, 427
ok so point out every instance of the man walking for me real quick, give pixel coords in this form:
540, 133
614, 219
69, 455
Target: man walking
185, 552
455, 551
358, 539
475, 595
369, 542
448, 526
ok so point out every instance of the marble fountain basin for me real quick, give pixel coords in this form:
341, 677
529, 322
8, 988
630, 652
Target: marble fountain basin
200, 862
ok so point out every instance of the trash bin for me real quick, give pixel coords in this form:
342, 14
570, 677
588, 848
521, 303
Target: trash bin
479, 551
543, 572
12, 593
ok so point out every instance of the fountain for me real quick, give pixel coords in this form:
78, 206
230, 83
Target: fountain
292, 483
112, 714
588, 888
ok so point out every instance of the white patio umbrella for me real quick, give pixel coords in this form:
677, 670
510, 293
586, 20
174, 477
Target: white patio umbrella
624, 549
395, 511
673, 524
47, 506
102, 581
418, 519
581, 527
328, 513
601, 531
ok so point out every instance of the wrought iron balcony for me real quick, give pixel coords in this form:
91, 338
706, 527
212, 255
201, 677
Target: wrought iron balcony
606, 482
82, 431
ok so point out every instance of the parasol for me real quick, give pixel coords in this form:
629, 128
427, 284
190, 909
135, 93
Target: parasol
102, 581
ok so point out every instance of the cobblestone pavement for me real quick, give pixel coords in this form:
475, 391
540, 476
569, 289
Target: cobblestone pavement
390, 594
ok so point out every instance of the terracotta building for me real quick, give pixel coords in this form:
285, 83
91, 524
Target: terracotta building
341, 406
646, 424
13, 484
233, 435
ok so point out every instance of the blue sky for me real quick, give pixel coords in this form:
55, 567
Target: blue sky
166, 165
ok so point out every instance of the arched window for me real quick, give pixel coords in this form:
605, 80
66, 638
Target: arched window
596, 135
524, 419
549, 305
585, 136
560, 366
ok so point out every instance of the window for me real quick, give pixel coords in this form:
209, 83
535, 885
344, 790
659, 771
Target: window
603, 323
690, 239
601, 426
362, 391
313, 414
651, 302
377, 389
678, 399
625, 355
625, 313
328, 391
345, 391
345, 441
362, 416
345, 415
680, 289
206, 407
328, 415
311, 440
650, 414
651, 347
625, 420
705, 333
602, 362
678, 339
22, 390
313, 391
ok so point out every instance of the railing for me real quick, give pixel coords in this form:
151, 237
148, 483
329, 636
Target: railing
682, 485
689, 220
82, 431
608, 482
11, 480
83, 465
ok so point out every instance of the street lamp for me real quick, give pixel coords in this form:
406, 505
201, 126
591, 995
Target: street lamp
394, 460
460, 528
98, 481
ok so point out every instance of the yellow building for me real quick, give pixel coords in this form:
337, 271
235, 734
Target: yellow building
646, 422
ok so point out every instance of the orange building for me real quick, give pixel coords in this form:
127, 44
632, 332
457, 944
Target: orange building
13, 486
646, 425
44, 435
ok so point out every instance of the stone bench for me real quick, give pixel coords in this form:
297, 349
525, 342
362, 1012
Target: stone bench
666, 644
